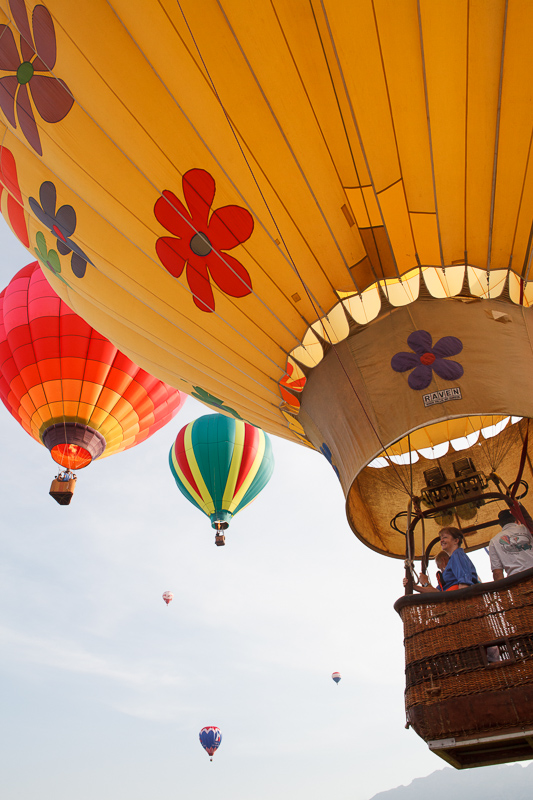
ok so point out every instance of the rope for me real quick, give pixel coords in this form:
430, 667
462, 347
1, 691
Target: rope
522, 463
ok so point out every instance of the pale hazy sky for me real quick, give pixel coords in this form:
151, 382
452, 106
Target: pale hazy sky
104, 689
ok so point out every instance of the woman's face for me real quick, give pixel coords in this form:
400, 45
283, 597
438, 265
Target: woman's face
447, 542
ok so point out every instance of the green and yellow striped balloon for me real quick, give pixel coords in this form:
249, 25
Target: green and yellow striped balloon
221, 464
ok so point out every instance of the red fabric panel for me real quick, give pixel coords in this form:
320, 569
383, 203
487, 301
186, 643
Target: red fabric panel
31, 375
158, 393
144, 408
181, 458
72, 325
50, 369
23, 356
123, 362
118, 380
101, 350
14, 315
135, 393
96, 372
9, 370
251, 442
17, 387
43, 326
76, 346
146, 380
73, 368
40, 305
19, 336
46, 347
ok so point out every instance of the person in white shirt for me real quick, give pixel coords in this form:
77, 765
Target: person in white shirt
511, 549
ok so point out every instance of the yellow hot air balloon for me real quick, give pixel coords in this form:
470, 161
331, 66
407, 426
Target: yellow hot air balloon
266, 206
314, 215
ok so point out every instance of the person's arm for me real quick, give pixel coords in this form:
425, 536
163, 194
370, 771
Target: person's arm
421, 587
496, 564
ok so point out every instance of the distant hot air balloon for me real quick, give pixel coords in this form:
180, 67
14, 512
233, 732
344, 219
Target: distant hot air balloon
221, 464
336, 677
210, 739
167, 597
67, 385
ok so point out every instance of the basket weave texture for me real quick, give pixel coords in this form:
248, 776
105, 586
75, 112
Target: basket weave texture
446, 641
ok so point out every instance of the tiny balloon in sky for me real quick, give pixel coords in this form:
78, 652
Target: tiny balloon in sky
210, 738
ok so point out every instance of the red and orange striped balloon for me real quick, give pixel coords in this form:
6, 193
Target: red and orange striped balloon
67, 385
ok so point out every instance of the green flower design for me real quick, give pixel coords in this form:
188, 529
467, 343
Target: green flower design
48, 258
211, 400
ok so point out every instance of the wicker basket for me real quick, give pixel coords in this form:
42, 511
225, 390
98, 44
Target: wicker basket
453, 689
62, 491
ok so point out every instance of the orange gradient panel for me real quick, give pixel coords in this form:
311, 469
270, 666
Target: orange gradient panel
71, 456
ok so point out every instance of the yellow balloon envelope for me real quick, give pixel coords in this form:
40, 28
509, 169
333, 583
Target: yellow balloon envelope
314, 216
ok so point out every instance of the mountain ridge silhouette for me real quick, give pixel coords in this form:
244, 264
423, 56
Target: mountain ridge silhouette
501, 782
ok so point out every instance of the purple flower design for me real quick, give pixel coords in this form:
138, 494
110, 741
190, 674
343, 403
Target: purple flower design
427, 358
62, 223
30, 66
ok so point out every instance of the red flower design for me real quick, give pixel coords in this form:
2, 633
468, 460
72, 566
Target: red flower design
50, 95
294, 381
14, 207
198, 240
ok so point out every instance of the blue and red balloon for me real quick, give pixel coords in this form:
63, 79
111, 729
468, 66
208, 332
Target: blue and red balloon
210, 738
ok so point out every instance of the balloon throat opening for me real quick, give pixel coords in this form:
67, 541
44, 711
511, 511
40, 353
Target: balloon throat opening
220, 520
73, 445
71, 456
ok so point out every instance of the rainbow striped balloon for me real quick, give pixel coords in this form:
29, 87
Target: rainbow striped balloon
221, 464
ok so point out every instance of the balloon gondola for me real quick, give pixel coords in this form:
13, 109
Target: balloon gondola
63, 485
343, 260
472, 709
220, 465
68, 386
